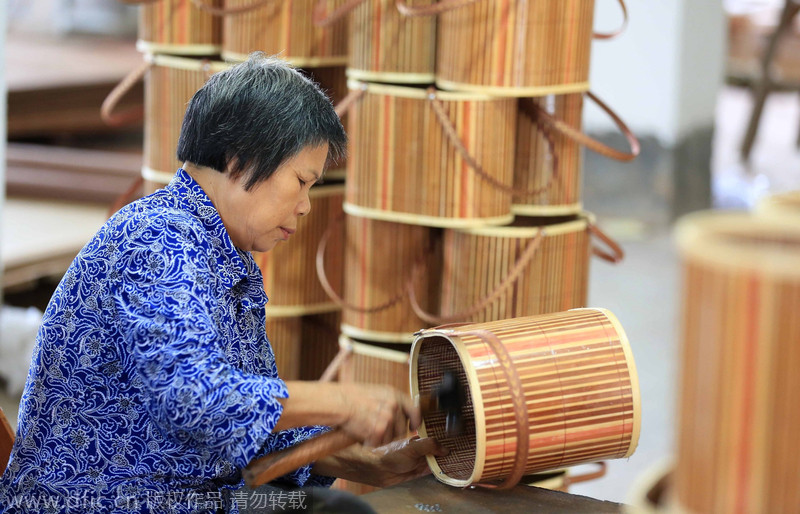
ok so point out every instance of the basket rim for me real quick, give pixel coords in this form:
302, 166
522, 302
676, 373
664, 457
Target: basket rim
185, 62
399, 338
152, 47
296, 61
423, 219
395, 77
367, 350
511, 91
584, 219
420, 93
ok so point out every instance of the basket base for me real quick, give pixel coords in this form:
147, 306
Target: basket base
150, 47
425, 220
516, 92
376, 336
546, 210
298, 62
285, 311
390, 77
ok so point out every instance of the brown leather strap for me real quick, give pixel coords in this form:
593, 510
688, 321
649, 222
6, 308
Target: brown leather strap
428, 10
520, 407
352, 96
223, 11
617, 252
577, 479
120, 90
620, 30
322, 19
126, 197
581, 138
524, 259
332, 371
547, 134
473, 164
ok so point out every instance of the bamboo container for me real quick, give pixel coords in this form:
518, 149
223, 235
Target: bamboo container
289, 269
320, 343
379, 257
406, 164
737, 448
178, 27
386, 46
572, 372
535, 266
784, 206
284, 28
285, 337
520, 48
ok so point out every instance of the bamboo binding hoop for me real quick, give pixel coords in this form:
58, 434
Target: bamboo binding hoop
289, 269
543, 392
780, 206
549, 157
533, 267
444, 159
737, 423
286, 28
178, 27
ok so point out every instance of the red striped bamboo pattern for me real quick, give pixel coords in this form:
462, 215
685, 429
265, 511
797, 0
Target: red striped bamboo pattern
738, 450
783, 206
285, 337
284, 28
379, 257
477, 261
289, 270
555, 171
178, 27
516, 47
386, 46
320, 343
402, 166
578, 383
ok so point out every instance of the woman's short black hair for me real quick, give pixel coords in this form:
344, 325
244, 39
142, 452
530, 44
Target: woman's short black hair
256, 115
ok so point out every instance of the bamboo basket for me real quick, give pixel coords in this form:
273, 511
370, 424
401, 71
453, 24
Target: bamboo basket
520, 48
407, 166
543, 392
386, 46
284, 28
379, 257
320, 343
784, 206
536, 266
289, 269
285, 336
178, 27
738, 449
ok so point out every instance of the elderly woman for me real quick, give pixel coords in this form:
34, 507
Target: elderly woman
153, 382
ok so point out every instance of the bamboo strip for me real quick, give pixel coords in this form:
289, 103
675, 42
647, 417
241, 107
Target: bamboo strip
178, 27
780, 206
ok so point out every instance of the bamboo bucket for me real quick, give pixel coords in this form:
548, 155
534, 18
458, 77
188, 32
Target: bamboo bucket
738, 449
320, 336
536, 266
378, 260
784, 206
386, 46
289, 271
543, 392
421, 172
284, 28
178, 27
285, 337
519, 48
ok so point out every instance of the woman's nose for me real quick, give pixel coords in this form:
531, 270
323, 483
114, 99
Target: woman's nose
304, 206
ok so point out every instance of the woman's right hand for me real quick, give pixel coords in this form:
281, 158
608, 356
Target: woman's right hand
377, 415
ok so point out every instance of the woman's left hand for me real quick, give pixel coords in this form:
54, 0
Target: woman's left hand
402, 460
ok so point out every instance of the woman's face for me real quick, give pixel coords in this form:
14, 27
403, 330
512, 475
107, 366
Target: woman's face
259, 219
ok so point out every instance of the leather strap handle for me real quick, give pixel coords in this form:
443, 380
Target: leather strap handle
224, 11
332, 371
524, 259
321, 18
428, 10
120, 90
348, 101
577, 479
620, 30
617, 253
473, 164
268, 468
126, 197
582, 139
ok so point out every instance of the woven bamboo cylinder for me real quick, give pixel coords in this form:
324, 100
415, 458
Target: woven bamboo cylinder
477, 261
285, 337
284, 28
403, 167
547, 161
386, 46
543, 392
178, 27
784, 206
320, 343
515, 48
738, 449
289, 269
379, 257
169, 85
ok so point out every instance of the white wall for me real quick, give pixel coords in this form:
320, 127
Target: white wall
663, 74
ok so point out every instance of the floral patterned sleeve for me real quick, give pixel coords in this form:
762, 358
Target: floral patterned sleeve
174, 320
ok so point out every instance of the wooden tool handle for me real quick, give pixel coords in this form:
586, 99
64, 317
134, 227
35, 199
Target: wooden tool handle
274, 465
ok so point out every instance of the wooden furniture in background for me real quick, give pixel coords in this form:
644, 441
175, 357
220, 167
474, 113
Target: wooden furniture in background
6, 441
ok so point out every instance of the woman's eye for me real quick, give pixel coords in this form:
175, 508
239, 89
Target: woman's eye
302, 182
